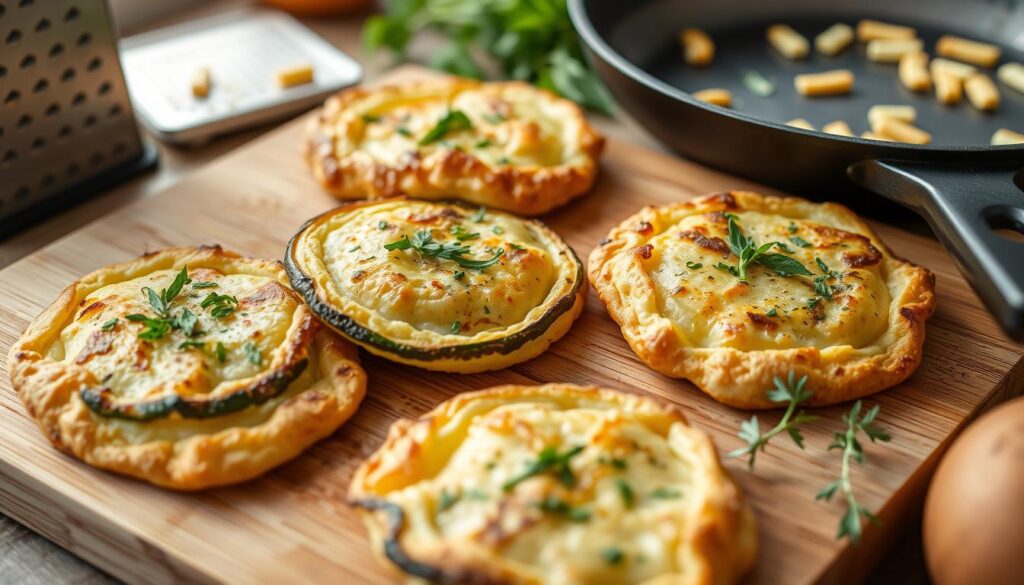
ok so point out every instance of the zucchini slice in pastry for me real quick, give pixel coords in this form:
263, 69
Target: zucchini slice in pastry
817, 293
187, 378
438, 285
554, 485
507, 145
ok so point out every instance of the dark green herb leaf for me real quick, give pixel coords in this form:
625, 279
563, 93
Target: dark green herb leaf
625, 492
221, 351
447, 500
453, 121
612, 555
192, 344
456, 326
109, 325
772, 312
402, 244
548, 460
665, 493
461, 234
252, 353
790, 390
494, 118
478, 216
204, 284
783, 265
800, 242
693, 265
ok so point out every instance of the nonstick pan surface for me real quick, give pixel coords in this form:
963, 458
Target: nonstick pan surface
965, 188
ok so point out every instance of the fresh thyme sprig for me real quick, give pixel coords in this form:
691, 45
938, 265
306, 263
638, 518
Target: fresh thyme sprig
850, 523
747, 252
156, 328
548, 460
424, 243
790, 390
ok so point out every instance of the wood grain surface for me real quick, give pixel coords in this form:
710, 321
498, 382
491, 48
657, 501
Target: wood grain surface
293, 524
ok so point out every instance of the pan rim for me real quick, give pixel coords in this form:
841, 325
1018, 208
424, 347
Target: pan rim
580, 18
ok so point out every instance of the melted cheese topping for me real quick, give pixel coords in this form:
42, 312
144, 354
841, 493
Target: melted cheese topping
710, 307
135, 369
617, 518
510, 125
404, 293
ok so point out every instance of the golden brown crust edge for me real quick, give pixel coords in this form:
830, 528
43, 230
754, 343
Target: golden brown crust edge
49, 391
739, 378
724, 539
521, 190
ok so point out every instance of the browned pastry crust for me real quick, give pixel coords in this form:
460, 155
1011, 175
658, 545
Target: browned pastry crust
660, 274
528, 151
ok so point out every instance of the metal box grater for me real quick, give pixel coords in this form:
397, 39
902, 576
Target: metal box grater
67, 128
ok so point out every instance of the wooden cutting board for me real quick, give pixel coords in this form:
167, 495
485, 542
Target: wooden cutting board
293, 524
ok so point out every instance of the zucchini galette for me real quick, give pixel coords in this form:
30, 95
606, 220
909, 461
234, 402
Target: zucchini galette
733, 289
438, 285
189, 368
506, 145
554, 485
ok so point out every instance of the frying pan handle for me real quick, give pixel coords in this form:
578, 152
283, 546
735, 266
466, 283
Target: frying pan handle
965, 204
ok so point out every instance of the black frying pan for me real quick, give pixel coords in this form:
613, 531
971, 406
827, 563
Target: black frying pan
963, 187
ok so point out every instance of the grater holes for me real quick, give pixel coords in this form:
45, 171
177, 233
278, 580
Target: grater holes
13, 36
56, 50
71, 14
43, 24
64, 132
12, 97
94, 64
22, 193
72, 169
104, 88
90, 121
9, 157
53, 109
28, 61
24, 121
38, 144
68, 75
115, 110
78, 100
84, 39
40, 86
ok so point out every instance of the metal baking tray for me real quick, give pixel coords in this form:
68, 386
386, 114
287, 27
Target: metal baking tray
243, 50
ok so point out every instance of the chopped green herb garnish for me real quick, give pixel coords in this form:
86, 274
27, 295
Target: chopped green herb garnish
727, 268
456, 326
109, 325
800, 242
665, 493
497, 230
612, 555
204, 284
503, 160
548, 460
747, 252
252, 353
792, 228
382, 225
154, 328
625, 492
404, 131
483, 143
371, 118
462, 234
220, 305
772, 312
446, 501
515, 246
554, 505
185, 322
424, 243
354, 248
616, 462
459, 274
452, 121
495, 118
693, 265
192, 344
221, 351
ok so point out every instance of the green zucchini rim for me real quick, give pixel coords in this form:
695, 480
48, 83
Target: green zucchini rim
347, 326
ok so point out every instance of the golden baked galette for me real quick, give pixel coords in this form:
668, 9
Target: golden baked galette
554, 485
188, 368
734, 289
507, 145
438, 285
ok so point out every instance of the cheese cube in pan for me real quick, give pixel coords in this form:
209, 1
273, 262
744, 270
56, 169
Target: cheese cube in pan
789, 43
890, 50
836, 82
974, 52
834, 39
913, 71
698, 48
1012, 74
982, 92
870, 30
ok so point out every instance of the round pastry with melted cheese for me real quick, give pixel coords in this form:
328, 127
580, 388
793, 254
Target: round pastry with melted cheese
438, 285
507, 145
554, 485
734, 289
185, 377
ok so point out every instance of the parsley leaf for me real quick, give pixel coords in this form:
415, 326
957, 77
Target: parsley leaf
747, 251
452, 121
548, 460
